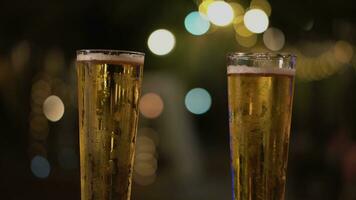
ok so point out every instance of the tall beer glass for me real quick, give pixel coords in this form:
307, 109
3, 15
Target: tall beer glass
260, 95
109, 85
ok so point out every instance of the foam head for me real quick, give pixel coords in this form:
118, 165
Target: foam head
111, 56
243, 69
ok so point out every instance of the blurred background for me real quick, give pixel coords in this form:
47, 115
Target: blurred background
182, 145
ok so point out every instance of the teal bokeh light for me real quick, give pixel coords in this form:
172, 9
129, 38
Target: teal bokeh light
198, 101
196, 24
40, 167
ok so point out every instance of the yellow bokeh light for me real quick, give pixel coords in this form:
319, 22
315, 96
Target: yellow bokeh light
237, 8
220, 13
151, 105
161, 42
343, 52
242, 30
203, 7
256, 20
263, 5
247, 42
274, 39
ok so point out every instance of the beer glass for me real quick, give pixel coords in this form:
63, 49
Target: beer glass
109, 85
260, 95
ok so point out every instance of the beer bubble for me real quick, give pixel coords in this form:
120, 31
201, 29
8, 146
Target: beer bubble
53, 108
196, 23
198, 101
40, 167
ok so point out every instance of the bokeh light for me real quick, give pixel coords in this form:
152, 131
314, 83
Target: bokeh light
274, 39
53, 108
40, 167
343, 51
40, 90
54, 62
145, 166
145, 144
198, 101
161, 42
247, 42
196, 23
20, 55
151, 105
203, 7
242, 30
256, 20
220, 13
39, 127
263, 5
149, 132
237, 9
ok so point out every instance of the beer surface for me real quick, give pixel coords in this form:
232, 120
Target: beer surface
108, 97
259, 118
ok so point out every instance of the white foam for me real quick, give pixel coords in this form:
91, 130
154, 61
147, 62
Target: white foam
122, 57
243, 69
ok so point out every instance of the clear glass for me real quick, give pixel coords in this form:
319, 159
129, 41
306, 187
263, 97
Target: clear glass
260, 96
109, 88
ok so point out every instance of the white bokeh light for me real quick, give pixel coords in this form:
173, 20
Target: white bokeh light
53, 108
274, 39
220, 13
161, 42
256, 20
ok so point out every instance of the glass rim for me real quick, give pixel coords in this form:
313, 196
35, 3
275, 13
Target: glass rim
261, 55
109, 51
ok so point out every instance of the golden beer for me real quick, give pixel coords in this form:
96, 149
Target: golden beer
109, 85
260, 106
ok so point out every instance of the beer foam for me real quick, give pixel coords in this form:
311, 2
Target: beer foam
122, 57
243, 69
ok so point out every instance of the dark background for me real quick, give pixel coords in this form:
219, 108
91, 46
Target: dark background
38, 40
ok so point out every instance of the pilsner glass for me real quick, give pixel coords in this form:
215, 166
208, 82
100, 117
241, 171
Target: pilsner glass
109, 87
260, 96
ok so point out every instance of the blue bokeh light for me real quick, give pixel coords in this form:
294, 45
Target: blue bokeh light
198, 101
40, 167
196, 24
